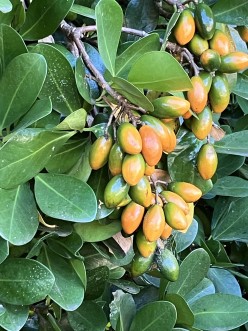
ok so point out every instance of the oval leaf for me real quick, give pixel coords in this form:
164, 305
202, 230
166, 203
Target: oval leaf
159, 315
230, 186
67, 290
192, 271
233, 12
84, 318
9, 50
95, 231
184, 313
205, 287
220, 312
20, 164
24, 281
19, 224
14, 317
60, 84
4, 249
109, 21
234, 143
43, 18
159, 71
184, 240
65, 197
25, 74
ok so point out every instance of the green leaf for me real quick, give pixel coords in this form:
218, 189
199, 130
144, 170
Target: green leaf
83, 11
192, 271
228, 164
170, 26
230, 186
220, 312
24, 281
20, 164
98, 181
84, 318
132, 93
95, 231
81, 81
43, 18
25, 74
109, 19
60, 83
5, 6
205, 287
224, 281
40, 109
142, 15
19, 224
233, 12
96, 282
14, 317
241, 124
11, 45
126, 285
230, 220
67, 156
74, 121
159, 71
234, 143
4, 249
182, 161
184, 313
122, 310
243, 103
67, 290
67, 247
125, 61
154, 316
65, 197
184, 240
82, 168
79, 267
241, 86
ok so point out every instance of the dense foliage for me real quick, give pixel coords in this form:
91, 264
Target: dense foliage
73, 73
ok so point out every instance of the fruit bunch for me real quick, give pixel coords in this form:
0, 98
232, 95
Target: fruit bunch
144, 211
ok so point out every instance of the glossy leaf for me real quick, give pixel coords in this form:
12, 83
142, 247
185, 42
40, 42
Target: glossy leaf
241, 86
68, 294
84, 318
205, 287
67, 156
159, 71
83, 11
127, 58
230, 186
235, 143
230, 220
5, 6
220, 312
9, 50
231, 12
96, 282
60, 83
132, 93
109, 19
122, 310
228, 164
24, 281
182, 161
40, 109
82, 168
95, 231
192, 271
67, 247
25, 74
243, 103
154, 316
184, 240
79, 267
19, 224
170, 26
184, 313
82, 82
224, 281
75, 121
142, 15
65, 197
14, 317
98, 181
4, 249
21, 164
43, 18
